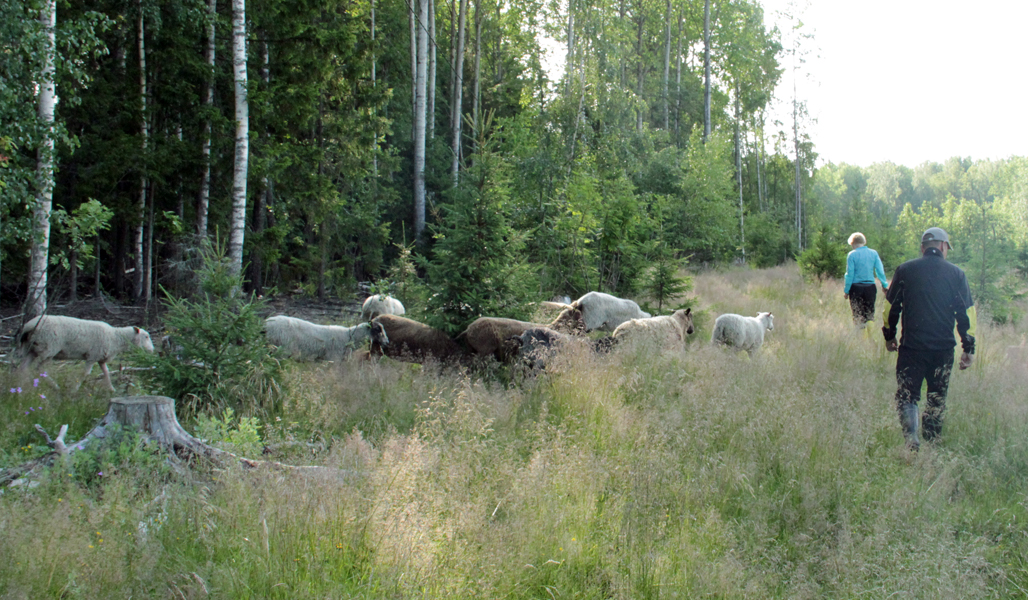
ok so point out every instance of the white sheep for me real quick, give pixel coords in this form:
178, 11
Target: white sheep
68, 338
606, 312
742, 333
303, 340
380, 304
665, 332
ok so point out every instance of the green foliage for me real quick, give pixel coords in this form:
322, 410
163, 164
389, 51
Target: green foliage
219, 357
121, 449
83, 224
663, 280
477, 268
240, 436
825, 259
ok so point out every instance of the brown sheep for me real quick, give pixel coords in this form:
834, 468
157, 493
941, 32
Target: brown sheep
411, 341
486, 335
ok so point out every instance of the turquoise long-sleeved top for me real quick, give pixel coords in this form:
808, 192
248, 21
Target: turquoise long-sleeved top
862, 265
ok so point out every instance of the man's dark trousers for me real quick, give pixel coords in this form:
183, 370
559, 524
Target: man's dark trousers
914, 367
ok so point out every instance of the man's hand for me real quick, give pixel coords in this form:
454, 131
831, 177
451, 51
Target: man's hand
965, 360
845, 296
893, 345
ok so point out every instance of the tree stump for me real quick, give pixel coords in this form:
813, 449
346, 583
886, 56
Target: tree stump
154, 418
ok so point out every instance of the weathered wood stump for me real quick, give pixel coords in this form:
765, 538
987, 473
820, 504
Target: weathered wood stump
153, 417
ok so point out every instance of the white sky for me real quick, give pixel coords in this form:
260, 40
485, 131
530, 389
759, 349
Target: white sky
910, 81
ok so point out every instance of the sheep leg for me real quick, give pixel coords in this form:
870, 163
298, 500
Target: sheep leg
107, 376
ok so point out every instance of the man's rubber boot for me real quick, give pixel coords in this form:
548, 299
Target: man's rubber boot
908, 421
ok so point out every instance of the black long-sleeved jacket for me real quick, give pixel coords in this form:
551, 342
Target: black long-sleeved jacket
931, 294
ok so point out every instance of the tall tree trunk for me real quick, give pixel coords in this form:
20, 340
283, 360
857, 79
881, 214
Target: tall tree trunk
738, 172
476, 94
796, 145
138, 280
203, 202
260, 200
35, 303
667, 67
413, 64
639, 72
237, 225
623, 70
430, 116
678, 84
148, 265
458, 94
758, 141
420, 105
569, 62
706, 70
374, 84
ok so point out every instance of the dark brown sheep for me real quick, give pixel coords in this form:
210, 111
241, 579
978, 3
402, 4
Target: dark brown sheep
486, 335
411, 341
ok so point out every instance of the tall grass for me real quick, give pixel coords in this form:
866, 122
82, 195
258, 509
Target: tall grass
628, 475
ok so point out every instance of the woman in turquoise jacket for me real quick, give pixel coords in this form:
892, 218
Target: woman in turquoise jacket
862, 266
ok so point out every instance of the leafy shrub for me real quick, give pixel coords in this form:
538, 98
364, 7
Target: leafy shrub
240, 436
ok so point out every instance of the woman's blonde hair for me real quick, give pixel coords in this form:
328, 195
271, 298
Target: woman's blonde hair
857, 238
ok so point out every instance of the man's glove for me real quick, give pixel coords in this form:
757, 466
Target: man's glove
965, 360
892, 346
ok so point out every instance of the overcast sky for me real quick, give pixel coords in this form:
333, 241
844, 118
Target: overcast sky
910, 81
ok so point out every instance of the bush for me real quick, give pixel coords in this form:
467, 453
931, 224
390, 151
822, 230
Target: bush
219, 357
824, 259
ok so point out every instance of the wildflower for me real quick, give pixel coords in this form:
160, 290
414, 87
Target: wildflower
43, 374
31, 409
19, 390
42, 396
35, 382
101, 474
39, 408
13, 392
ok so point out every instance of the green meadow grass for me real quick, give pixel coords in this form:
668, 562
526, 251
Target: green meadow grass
627, 475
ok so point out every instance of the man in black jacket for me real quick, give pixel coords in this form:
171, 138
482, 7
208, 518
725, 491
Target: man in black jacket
931, 294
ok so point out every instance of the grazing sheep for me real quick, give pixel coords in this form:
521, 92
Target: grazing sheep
667, 331
486, 335
742, 333
535, 346
380, 304
411, 341
303, 340
606, 312
68, 338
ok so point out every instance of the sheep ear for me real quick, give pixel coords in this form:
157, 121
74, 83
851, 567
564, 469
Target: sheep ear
136, 329
688, 311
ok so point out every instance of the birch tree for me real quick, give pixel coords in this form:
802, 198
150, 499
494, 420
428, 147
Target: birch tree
706, 70
203, 201
237, 223
458, 89
40, 249
420, 105
139, 287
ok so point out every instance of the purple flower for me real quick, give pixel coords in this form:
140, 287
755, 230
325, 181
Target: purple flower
101, 473
42, 396
13, 391
35, 382
43, 374
81, 447
39, 408
19, 390
26, 412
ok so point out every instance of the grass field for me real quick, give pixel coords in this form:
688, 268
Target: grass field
629, 475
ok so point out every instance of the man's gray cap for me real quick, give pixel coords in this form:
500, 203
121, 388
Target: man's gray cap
935, 234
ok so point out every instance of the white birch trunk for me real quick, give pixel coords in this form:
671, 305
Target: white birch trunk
476, 94
35, 303
430, 116
667, 66
570, 60
237, 224
458, 91
420, 105
138, 276
706, 70
374, 83
203, 202
678, 82
738, 172
413, 63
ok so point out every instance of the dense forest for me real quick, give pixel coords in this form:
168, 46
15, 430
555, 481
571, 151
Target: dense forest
429, 148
